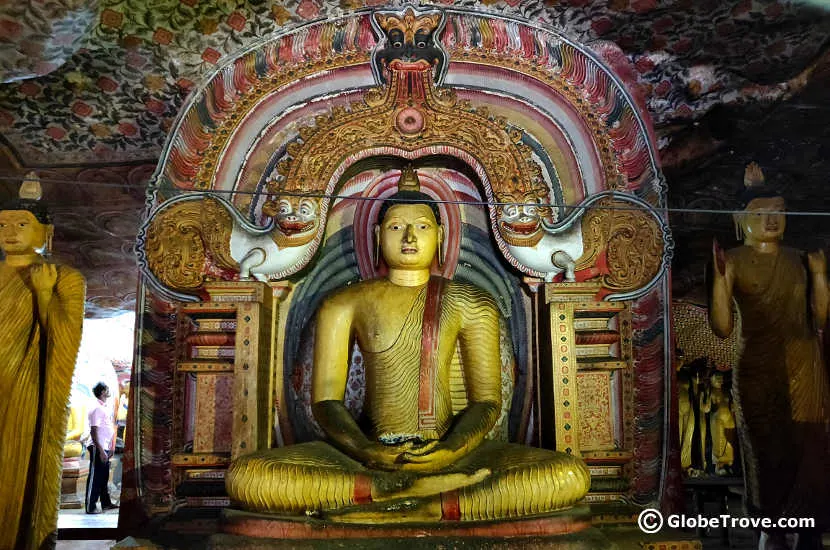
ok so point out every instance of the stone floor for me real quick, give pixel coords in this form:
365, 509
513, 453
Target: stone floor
78, 519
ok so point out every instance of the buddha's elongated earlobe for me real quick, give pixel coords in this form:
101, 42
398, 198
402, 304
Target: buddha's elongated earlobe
739, 232
376, 254
440, 246
50, 232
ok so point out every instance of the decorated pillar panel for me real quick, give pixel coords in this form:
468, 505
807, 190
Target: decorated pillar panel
565, 388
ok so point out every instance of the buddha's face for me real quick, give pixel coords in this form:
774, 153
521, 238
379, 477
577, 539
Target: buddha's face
409, 236
21, 232
763, 220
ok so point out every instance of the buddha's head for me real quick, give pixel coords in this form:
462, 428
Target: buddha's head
409, 233
762, 219
25, 223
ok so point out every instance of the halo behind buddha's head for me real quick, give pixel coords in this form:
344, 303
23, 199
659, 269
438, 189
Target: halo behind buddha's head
29, 200
409, 192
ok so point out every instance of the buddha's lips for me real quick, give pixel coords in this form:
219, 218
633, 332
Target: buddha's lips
521, 228
409, 250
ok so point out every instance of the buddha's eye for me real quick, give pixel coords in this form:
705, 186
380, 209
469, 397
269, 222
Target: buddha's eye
397, 44
395, 227
422, 44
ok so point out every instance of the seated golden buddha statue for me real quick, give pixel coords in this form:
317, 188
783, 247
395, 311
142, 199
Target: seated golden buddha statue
75, 424
415, 461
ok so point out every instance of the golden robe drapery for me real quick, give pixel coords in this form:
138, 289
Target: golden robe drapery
36, 367
782, 391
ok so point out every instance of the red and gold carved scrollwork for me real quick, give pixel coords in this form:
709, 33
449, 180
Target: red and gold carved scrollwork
408, 115
631, 239
185, 240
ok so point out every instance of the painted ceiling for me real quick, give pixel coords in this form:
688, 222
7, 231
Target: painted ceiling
97, 85
115, 97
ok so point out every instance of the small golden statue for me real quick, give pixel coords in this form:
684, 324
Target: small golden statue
781, 388
721, 425
76, 429
40, 331
686, 412
416, 462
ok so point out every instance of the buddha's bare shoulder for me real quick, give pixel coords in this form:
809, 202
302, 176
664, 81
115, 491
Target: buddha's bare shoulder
355, 292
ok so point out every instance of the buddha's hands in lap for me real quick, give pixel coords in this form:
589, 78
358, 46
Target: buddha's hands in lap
379, 456
431, 456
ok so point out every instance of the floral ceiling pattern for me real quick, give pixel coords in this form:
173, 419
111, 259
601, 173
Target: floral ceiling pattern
116, 96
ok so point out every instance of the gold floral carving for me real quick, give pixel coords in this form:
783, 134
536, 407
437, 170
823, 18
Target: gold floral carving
441, 101
631, 239
446, 122
181, 240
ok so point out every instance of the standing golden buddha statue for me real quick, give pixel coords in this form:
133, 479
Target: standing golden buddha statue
416, 462
40, 331
781, 388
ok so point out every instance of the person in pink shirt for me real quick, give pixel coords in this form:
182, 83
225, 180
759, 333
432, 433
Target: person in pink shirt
102, 431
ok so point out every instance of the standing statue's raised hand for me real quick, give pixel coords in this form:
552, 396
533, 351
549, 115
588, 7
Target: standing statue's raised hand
44, 277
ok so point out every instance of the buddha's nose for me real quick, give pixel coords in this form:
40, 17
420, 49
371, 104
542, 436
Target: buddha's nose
409, 234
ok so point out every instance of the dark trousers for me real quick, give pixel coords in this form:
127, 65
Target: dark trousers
96, 483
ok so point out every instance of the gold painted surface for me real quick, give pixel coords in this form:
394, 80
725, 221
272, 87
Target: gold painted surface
74, 430
365, 476
42, 308
565, 390
447, 122
408, 23
596, 431
182, 238
632, 240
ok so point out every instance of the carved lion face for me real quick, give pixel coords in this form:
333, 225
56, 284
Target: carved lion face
297, 219
520, 223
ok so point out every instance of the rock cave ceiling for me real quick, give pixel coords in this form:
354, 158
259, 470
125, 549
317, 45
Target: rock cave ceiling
90, 89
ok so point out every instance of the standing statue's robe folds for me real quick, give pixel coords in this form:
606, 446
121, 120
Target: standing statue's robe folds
36, 366
782, 390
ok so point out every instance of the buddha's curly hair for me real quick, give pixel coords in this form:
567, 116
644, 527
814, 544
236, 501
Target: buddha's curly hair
409, 197
37, 208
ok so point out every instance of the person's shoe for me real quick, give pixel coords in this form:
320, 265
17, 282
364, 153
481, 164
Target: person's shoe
109, 506
93, 511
